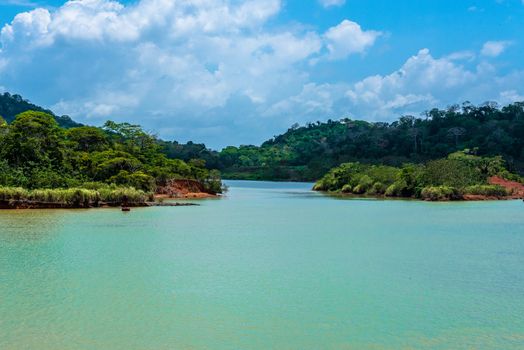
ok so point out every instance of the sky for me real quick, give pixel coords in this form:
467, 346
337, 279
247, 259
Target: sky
231, 72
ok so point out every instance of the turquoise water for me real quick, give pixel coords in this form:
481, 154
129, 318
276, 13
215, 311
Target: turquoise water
271, 266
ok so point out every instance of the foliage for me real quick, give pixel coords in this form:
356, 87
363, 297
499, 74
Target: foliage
308, 152
358, 178
443, 179
36, 153
486, 190
77, 197
440, 193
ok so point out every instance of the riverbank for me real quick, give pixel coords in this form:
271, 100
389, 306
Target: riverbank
101, 196
513, 191
460, 176
25, 204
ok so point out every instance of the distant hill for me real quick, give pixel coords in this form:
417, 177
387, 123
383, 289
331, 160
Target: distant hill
308, 152
12, 105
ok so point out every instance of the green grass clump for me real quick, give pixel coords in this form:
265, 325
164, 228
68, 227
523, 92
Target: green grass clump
486, 190
397, 189
378, 188
13, 193
440, 193
77, 197
120, 194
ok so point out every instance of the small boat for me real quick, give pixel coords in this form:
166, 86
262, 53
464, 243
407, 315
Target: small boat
126, 209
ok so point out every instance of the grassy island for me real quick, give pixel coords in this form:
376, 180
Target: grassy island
462, 175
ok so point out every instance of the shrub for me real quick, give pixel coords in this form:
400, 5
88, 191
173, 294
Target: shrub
377, 188
347, 189
137, 179
397, 189
13, 193
440, 193
452, 173
364, 184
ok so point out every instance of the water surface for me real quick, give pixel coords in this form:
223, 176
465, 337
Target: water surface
270, 266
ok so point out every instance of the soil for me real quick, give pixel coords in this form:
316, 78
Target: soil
515, 188
183, 189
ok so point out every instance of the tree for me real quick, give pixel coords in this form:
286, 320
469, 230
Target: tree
456, 133
34, 137
134, 137
87, 138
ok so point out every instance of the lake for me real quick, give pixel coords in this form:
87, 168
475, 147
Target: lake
270, 266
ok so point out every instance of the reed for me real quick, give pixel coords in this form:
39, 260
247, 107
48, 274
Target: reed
77, 197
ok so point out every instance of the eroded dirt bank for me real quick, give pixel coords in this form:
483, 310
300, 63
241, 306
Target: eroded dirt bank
183, 189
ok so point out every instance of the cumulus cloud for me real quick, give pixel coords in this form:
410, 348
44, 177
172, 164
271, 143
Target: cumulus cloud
494, 48
202, 65
107, 20
348, 38
331, 3
421, 83
424, 82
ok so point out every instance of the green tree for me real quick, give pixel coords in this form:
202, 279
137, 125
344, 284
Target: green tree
87, 139
34, 138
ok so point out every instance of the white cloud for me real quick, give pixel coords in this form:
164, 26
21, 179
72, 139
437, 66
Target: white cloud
331, 3
494, 48
199, 64
510, 96
423, 82
107, 20
348, 38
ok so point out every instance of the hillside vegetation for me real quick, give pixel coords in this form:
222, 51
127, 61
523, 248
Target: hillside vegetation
36, 153
308, 152
456, 177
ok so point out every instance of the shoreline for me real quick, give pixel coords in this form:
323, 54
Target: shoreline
26, 204
82, 198
465, 198
514, 189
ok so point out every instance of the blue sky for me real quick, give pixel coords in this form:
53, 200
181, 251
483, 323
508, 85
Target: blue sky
240, 71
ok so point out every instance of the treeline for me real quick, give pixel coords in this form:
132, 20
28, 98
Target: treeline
308, 152
456, 177
12, 105
36, 153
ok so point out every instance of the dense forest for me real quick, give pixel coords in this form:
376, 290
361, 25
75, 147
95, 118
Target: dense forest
461, 175
308, 152
36, 153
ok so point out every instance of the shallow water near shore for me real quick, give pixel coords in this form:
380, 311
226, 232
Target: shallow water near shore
269, 266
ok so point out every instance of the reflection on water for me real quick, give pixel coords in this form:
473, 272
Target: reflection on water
29, 225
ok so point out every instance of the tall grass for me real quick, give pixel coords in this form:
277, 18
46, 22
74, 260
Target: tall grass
77, 197
486, 190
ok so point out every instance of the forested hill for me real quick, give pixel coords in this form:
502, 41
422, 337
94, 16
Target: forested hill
12, 105
308, 152
35, 153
